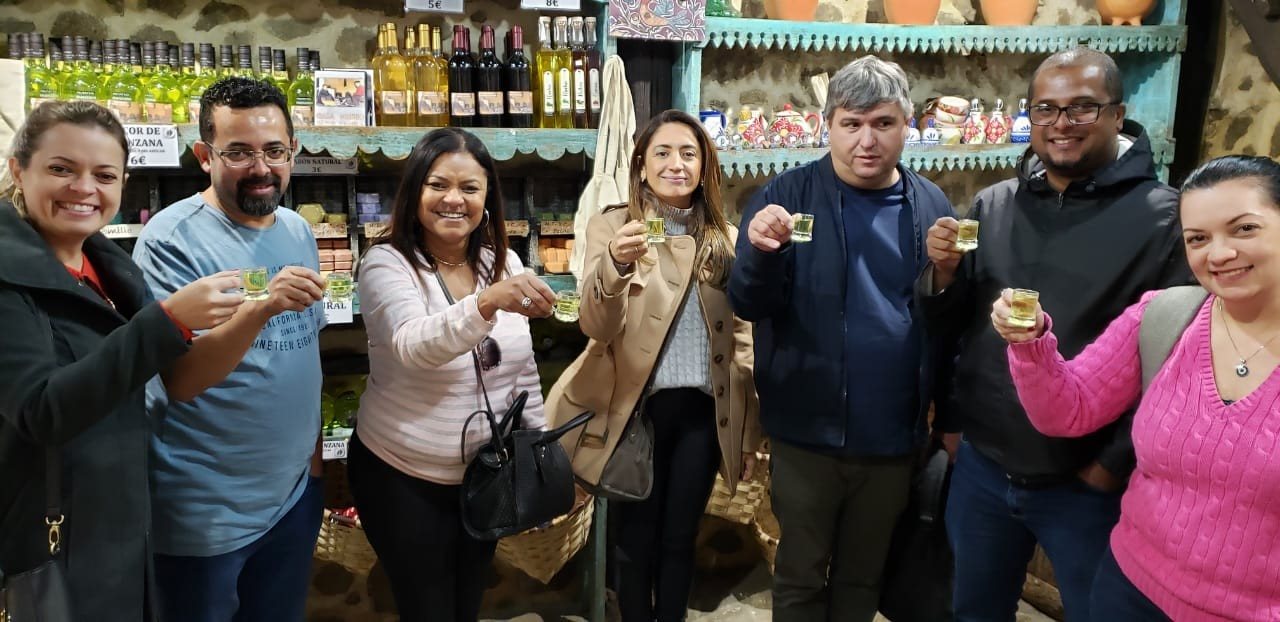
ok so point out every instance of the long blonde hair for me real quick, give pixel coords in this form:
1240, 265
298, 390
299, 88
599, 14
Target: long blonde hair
707, 223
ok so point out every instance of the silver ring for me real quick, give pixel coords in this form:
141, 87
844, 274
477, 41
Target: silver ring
526, 302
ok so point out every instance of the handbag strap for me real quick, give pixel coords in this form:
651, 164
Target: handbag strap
495, 438
53, 517
598, 440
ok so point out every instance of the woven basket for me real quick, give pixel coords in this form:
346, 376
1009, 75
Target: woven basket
740, 506
767, 531
345, 544
541, 553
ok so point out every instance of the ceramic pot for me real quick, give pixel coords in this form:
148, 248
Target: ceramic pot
1121, 12
794, 10
1009, 12
923, 12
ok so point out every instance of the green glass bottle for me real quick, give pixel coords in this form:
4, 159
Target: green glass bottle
302, 91
42, 86
81, 83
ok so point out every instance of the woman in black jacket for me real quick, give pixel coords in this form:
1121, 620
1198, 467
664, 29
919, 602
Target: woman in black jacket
82, 336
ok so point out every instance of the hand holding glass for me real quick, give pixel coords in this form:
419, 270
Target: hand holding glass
967, 238
338, 287
254, 283
1023, 309
801, 227
566, 309
655, 230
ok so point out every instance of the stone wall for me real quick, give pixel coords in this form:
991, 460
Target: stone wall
1244, 104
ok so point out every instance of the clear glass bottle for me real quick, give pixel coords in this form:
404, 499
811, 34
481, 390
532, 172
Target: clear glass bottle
226, 61
196, 87
594, 97
431, 93
545, 67
564, 74
162, 91
391, 76
42, 86
578, 63
80, 83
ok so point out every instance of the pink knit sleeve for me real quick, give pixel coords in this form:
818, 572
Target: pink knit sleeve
1076, 397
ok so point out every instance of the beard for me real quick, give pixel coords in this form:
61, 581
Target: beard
259, 206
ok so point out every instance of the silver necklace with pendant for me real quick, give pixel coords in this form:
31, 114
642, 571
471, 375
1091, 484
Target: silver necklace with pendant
1242, 368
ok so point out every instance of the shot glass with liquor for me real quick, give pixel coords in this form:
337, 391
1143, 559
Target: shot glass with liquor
254, 283
566, 309
801, 227
655, 230
967, 239
338, 286
1023, 309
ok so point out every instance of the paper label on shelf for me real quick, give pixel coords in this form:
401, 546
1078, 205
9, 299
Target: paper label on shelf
556, 227
153, 146
338, 312
518, 228
434, 6
324, 165
328, 231
375, 229
122, 231
334, 449
551, 5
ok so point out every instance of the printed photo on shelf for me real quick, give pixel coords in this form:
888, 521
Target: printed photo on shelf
342, 98
662, 20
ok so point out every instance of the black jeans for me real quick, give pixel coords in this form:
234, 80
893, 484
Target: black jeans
436, 570
656, 536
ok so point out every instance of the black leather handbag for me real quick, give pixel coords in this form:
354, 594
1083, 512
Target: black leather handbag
41, 594
521, 478
919, 574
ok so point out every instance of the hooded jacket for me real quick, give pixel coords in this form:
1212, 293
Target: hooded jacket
72, 372
1091, 251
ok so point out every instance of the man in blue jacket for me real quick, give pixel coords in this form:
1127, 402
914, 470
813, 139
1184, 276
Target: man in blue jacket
842, 364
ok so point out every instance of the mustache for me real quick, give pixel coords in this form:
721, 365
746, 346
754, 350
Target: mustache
257, 181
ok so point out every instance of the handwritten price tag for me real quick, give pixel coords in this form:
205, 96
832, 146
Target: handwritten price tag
551, 5
434, 6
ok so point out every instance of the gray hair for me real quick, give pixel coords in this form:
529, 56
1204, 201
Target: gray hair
866, 83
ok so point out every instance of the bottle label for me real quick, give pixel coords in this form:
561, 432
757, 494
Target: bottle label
490, 102
579, 90
464, 104
548, 94
520, 102
302, 114
159, 113
394, 102
594, 81
193, 110
431, 102
127, 110
565, 87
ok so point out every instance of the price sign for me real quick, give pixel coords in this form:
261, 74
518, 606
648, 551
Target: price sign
153, 146
321, 165
334, 449
338, 312
122, 231
551, 5
434, 6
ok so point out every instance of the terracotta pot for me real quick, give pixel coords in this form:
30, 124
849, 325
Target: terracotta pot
794, 10
1121, 12
912, 11
1009, 12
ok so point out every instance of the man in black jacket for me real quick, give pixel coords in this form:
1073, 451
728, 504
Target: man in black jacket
1088, 225
842, 362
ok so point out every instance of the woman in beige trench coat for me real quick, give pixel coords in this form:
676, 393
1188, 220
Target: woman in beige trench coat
702, 402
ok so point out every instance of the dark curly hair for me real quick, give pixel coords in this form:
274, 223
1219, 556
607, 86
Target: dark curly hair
239, 93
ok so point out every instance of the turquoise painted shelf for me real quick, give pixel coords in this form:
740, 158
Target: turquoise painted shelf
397, 142
754, 163
734, 32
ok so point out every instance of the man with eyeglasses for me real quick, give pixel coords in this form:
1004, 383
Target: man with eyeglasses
236, 497
1086, 223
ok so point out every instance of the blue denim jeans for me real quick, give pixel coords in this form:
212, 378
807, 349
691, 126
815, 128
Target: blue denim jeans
265, 581
1115, 597
994, 526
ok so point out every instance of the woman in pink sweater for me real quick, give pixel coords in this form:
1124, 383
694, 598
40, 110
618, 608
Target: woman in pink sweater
1199, 531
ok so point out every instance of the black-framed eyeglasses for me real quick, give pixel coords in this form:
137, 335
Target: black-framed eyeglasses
244, 158
489, 353
1077, 114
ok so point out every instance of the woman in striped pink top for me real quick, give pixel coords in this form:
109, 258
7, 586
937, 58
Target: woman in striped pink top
441, 285
1199, 532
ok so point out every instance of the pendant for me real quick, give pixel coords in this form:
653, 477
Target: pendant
1242, 370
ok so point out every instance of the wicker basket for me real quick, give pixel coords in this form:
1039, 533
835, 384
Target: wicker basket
541, 553
740, 506
343, 542
767, 531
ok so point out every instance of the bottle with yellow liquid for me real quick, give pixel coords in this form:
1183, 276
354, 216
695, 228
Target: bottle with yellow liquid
391, 76
430, 81
545, 69
564, 74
